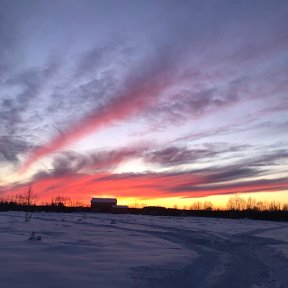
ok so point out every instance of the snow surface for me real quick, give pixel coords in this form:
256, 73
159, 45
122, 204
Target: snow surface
106, 250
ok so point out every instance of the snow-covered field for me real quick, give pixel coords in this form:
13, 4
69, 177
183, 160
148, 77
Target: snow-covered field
103, 251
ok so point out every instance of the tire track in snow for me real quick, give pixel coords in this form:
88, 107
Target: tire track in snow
239, 261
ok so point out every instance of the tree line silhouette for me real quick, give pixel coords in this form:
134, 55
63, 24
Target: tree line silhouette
236, 208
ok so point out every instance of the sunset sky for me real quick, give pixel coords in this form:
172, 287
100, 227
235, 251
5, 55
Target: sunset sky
155, 102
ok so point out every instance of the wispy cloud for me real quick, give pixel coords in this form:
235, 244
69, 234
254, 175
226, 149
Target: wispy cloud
10, 148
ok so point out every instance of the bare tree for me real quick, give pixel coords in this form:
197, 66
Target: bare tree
65, 201
251, 204
236, 203
274, 206
28, 199
208, 205
197, 206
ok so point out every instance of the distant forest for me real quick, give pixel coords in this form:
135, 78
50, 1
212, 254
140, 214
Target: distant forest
236, 208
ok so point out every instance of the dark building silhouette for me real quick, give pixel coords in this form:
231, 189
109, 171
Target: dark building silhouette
119, 209
103, 204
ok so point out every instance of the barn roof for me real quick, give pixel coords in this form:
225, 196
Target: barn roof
104, 200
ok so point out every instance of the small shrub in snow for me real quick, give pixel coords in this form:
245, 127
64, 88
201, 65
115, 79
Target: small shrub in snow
28, 198
34, 237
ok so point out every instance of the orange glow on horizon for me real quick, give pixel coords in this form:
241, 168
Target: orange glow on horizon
146, 189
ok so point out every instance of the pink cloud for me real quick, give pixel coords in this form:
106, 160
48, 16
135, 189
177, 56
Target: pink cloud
140, 95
